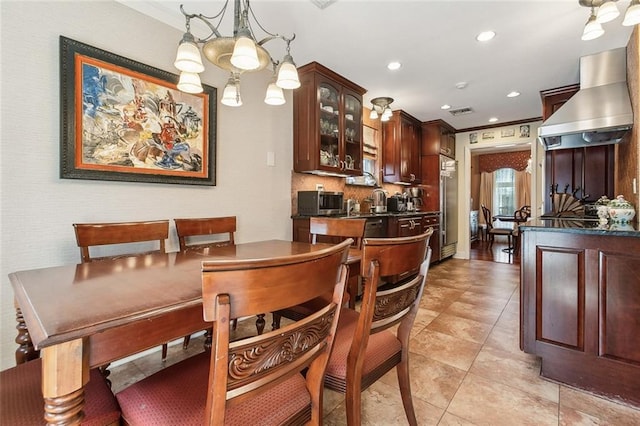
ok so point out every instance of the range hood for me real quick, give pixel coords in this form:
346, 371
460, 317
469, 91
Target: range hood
600, 113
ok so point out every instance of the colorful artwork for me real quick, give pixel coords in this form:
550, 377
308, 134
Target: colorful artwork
123, 120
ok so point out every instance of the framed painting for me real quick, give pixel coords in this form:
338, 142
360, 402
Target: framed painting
126, 121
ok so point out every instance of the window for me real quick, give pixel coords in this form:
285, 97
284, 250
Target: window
504, 191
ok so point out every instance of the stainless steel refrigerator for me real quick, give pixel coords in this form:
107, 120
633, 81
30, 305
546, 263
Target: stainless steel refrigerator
448, 206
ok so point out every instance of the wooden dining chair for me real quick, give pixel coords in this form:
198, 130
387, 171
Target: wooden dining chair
492, 231
218, 232
256, 380
135, 236
22, 404
366, 348
330, 230
520, 216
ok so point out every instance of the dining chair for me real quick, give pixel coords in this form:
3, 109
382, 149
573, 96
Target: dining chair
331, 230
366, 345
492, 231
22, 404
256, 380
132, 235
519, 216
192, 233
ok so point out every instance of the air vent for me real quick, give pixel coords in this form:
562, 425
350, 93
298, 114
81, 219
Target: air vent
461, 111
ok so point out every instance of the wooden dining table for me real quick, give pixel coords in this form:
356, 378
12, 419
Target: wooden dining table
90, 314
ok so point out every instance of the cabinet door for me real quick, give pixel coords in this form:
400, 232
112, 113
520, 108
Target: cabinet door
352, 134
329, 124
410, 152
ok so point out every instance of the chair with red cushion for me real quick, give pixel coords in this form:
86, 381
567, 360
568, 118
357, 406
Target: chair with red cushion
256, 380
366, 348
132, 235
22, 404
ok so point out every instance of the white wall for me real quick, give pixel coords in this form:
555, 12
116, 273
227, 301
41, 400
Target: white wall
38, 208
463, 155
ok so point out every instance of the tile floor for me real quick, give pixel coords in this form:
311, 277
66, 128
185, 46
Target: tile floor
466, 366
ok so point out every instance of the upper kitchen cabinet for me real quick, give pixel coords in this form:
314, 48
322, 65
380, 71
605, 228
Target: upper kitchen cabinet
589, 168
401, 149
327, 123
438, 138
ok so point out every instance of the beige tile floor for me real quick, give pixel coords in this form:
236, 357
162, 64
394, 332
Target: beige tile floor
466, 366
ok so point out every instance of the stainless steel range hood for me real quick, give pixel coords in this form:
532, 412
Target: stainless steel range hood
600, 113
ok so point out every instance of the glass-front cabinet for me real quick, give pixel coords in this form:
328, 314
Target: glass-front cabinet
327, 123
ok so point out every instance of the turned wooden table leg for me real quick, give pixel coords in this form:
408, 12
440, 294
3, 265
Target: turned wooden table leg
65, 371
260, 323
25, 351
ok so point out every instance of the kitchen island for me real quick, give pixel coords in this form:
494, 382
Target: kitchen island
580, 304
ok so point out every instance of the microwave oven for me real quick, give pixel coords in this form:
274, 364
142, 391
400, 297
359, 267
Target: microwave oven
320, 203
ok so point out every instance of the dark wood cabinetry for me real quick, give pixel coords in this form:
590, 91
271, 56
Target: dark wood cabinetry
580, 304
327, 123
401, 149
589, 168
438, 138
432, 220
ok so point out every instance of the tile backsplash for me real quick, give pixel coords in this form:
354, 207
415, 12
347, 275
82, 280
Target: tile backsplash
307, 182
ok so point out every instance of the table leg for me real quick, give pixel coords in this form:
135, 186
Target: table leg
25, 351
65, 371
260, 323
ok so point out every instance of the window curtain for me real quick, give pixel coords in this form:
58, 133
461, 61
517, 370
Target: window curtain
523, 188
486, 193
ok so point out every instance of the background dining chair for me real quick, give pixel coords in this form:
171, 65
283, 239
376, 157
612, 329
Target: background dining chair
22, 404
519, 216
191, 229
331, 230
124, 233
366, 348
258, 378
492, 231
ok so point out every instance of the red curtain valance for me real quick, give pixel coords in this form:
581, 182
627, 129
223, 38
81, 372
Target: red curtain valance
513, 160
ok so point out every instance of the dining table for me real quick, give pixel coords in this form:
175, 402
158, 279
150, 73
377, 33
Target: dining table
87, 315
513, 218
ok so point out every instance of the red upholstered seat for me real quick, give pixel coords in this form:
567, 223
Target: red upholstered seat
177, 395
383, 347
21, 401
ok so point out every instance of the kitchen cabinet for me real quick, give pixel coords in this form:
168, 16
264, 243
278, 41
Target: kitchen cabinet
432, 220
588, 168
473, 225
438, 138
407, 226
401, 149
580, 304
327, 123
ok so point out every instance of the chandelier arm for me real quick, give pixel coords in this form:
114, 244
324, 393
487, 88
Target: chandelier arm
205, 19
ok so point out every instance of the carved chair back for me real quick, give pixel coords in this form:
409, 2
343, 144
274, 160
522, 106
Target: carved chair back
243, 369
189, 229
101, 234
336, 230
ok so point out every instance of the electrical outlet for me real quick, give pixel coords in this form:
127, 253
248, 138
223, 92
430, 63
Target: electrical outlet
319, 187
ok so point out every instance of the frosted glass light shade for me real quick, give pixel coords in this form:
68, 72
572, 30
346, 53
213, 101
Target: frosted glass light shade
592, 29
632, 15
190, 83
245, 55
386, 114
373, 115
274, 96
231, 94
188, 58
607, 12
288, 74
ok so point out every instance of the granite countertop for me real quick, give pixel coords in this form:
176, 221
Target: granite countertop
370, 215
581, 226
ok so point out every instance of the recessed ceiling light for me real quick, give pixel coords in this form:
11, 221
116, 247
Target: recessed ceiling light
445, 106
493, 119
461, 85
485, 36
513, 94
394, 65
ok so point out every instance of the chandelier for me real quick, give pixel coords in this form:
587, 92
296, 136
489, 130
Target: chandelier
380, 107
605, 11
236, 54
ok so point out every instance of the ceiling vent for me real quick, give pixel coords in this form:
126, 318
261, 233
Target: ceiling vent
461, 111
323, 3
